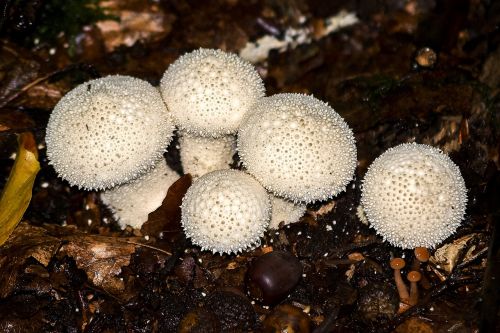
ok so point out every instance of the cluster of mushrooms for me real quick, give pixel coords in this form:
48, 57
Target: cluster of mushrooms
110, 134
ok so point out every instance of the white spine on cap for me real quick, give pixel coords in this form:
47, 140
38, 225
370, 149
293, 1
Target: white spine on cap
108, 131
414, 196
226, 211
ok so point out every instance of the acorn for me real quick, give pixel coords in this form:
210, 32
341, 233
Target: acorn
272, 276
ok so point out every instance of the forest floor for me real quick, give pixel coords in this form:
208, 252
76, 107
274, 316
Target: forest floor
397, 71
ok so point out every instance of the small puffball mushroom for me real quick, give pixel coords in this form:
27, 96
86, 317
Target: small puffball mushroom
108, 131
298, 147
132, 202
225, 211
285, 211
201, 155
209, 91
414, 196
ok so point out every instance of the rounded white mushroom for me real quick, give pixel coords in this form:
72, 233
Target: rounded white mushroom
298, 147
414, 196
226, 211
209, 91
285, 211
132, 202
201, 155
108, 131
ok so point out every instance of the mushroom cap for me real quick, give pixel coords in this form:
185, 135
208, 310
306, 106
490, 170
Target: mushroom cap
414, 195
132, 202
201, 155
225, 211
414, 276
397, 263
209, 91
108, 131
285, 211
298, 147
422, 254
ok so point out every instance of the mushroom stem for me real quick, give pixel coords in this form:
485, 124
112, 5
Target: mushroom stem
413, 277
397, 264
201, 155
422, 255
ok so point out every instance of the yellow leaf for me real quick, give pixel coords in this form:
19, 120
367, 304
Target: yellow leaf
16, 195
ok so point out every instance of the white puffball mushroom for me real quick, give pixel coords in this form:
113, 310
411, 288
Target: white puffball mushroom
209, 91
414, 196
298, 147
226, 211
108, 131
132, 202
285, 211
201, 155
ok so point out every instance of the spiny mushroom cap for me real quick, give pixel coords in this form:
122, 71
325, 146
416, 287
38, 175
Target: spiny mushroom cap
285, 211
226, 211
209, 91
201, 155
107, 131
414, 195
132, 202
298, 147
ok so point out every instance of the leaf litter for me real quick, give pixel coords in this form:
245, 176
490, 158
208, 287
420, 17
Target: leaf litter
60, 273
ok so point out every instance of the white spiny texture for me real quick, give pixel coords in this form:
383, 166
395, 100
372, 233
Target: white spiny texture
226, 211
210, 91
414, 195
108, 131
132, 202
201, 155
298, 147
285, 211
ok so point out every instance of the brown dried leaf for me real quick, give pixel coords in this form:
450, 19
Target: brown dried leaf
17, 69
15, 120
26, 241
447, 256
414, 325
101, 257
167, 218
137, 22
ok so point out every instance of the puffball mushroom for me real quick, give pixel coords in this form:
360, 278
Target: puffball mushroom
201, 155
225, 211
414, 196
285, 211
132, 202
108, 131
209, 91
298, 147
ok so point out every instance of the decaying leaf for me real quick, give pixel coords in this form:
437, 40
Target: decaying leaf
448, 255
17, 69
17, 192
167, 217
15, 120
26, 241
149, 22
101, 257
